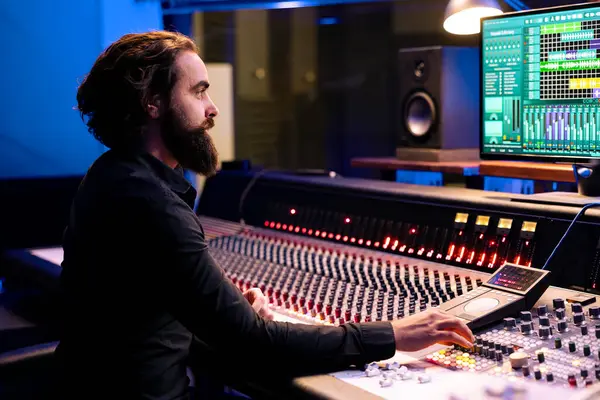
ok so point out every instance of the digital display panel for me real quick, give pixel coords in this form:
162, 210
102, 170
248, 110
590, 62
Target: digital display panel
516, 278
541, 84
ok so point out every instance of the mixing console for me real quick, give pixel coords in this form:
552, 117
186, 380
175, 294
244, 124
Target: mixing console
334, 284
556, 344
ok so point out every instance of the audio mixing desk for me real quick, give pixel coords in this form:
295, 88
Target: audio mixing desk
550, 351
332, 251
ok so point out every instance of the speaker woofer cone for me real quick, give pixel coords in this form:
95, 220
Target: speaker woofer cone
419, 114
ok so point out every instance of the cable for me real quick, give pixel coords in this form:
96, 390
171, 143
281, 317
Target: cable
305, 172
579, 214
245, 194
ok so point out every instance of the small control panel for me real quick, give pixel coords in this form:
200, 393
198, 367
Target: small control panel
511, 289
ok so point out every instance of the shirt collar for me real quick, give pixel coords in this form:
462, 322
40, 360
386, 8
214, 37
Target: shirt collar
173, 177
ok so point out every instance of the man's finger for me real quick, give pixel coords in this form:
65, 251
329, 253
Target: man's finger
258, 303
453, 337
458, 326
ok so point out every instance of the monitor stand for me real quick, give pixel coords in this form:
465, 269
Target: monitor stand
587, 177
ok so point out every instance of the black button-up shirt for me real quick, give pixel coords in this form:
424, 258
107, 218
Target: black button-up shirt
139, 282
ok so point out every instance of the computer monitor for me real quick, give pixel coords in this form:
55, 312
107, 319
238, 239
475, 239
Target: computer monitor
540, 85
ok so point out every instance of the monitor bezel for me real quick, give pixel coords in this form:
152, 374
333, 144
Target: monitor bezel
522, 157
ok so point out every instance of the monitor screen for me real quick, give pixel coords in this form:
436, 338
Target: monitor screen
540, 74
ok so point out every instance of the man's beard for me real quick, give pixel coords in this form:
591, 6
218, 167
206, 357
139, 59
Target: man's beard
192, 147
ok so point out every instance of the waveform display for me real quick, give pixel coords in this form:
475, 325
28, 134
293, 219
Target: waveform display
562, 128
553, 66
561, 28
575, 36
572, 55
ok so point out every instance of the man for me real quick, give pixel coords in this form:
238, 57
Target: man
138, 280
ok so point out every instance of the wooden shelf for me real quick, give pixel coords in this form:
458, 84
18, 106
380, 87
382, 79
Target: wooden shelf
468, 168
505, 169
528, 170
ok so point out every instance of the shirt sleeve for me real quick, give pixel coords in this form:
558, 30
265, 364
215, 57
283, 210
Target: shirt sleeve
204, 299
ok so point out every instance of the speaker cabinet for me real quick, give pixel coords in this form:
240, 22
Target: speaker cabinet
438, 115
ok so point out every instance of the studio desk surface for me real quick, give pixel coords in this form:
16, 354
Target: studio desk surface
439, 372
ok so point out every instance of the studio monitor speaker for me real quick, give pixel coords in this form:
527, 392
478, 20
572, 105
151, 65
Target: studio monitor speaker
438, 115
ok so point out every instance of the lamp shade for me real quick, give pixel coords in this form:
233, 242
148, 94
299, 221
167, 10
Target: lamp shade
463, 17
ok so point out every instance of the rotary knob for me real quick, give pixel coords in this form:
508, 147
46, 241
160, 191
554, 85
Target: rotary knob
578, 318
542, 310
510, 323
560, 313
558, 303
544, 332
595, 312
544, 321
526, 328
525, 316
562, 325
576, 308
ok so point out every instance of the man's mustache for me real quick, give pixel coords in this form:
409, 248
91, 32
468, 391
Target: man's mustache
208, 123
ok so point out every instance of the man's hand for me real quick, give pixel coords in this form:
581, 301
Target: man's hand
429, 327
259, 302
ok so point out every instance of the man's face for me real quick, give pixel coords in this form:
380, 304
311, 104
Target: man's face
189, 116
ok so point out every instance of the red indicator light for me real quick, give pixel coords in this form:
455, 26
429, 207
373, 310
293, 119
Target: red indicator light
471, 257
310, 231
376, 244
347, 220
338, 237
293, 211
303, 230
413, 231
284, 226
330, 236
278, 226
481, 236
317, 233
291, 228
503, 239
345, 238
272, 225
396, 243
298, 230
460, 233
266, 223
323, 234
360, 241
368, 243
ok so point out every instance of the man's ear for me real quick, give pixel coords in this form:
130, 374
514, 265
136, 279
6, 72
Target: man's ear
153, 107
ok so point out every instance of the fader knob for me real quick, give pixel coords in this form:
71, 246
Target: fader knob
525, 316
542, 310
576, 308
595, 312
510, 323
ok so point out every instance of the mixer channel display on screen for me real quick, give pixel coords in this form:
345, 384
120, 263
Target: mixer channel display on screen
541, 84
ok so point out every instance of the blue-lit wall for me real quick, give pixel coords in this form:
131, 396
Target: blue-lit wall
47, 47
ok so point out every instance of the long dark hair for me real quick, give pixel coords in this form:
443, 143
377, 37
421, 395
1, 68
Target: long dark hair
113, 97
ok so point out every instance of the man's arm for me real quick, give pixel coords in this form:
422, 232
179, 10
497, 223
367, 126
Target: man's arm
202, 297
